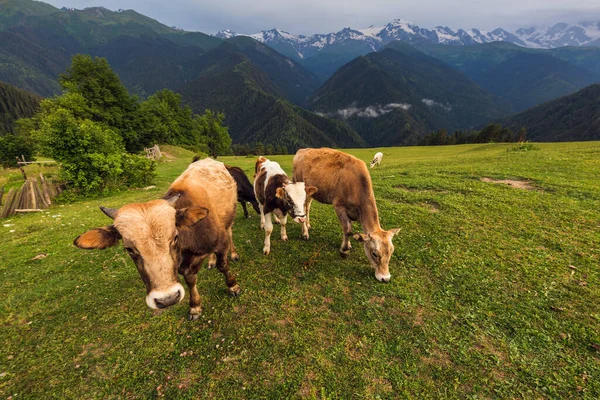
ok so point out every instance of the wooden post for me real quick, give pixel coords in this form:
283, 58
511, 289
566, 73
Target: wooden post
32, 196
1, 195
21, 168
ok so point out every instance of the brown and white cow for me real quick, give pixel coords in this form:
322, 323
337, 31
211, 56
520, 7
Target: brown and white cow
277, 194
176, 233
344, 181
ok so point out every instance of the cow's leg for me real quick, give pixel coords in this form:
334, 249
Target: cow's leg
283, 221
190, 275
223, 267
306, 223
245, 210
268, 230
212, 260
346, 228
234, 255
262, 216
276, 219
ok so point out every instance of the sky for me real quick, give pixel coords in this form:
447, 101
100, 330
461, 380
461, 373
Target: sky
323, 16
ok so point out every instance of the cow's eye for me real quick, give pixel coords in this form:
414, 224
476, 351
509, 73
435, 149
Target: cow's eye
374, 254
176, 238
130, 250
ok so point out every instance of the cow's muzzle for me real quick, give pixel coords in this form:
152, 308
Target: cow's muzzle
165, 298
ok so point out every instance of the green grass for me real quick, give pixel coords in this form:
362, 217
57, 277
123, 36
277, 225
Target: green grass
494, 294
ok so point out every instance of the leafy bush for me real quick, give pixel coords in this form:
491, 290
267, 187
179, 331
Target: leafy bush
11, 147
138, 170
523, 146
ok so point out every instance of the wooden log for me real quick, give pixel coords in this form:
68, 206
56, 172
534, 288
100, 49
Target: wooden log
1, 195
10, 198
19, 210
32, 194
40, 196
45, 191
23, 197
9, 209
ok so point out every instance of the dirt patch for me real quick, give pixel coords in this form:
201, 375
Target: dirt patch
437, 358
168, 156
431, 206
418, 321
525, 185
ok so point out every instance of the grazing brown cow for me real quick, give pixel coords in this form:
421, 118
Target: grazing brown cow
343, 181
278, 195
176, 233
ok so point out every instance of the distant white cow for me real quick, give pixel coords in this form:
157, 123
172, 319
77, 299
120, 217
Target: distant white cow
377, 159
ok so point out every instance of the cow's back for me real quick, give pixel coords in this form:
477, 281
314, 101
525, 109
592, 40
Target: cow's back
339, 177
207, 183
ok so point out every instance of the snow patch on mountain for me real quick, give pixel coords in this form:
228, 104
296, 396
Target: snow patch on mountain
377, 37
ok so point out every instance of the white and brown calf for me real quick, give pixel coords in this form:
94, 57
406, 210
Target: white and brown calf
377, 159
277, 194
176, 233
344, 181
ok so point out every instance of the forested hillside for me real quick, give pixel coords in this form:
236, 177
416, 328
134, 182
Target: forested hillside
570, 118
523, 77
231, 83
394, 96
14, 104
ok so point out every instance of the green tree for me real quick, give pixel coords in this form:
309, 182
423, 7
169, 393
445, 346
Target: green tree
106, 99
217, 135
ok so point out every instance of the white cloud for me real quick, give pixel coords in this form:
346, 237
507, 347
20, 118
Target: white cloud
372, 111
433, 103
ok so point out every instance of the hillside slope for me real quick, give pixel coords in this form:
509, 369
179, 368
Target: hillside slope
394, 96
14, 104
523, 77
255, 112
570, 118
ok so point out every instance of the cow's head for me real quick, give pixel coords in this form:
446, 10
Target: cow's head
150, 234
379, 249
293, 196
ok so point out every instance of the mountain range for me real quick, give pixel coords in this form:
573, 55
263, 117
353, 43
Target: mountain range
341, 93
377, 37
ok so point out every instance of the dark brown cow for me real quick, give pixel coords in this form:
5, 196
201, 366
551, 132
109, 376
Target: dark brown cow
245, 191
344, 181
175, 234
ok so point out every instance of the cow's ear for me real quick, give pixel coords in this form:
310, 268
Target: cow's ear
310, 190
187, 217
361, 237
99, 238
394, 231
280, 193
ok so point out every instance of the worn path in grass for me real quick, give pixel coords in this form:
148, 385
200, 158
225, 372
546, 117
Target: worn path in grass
494, 293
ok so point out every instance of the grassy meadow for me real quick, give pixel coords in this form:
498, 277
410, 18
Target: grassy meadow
495, 293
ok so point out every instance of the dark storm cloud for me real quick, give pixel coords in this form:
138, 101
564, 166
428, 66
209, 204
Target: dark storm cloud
321, 16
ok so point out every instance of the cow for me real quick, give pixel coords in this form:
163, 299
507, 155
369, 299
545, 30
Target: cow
245, 191
176, 233
377, 159
343, 181
277, 194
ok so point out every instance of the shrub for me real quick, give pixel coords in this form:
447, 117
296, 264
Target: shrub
11, 147
138, 170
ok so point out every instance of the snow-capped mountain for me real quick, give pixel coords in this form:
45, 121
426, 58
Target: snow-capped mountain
582, 34
376, 37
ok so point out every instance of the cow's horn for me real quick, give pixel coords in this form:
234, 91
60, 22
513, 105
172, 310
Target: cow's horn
110, 212
173, 199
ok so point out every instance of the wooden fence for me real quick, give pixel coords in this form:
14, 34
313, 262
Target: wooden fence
33, 196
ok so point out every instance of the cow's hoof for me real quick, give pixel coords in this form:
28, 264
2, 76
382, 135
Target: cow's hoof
193, 317
234, 291
308, 227
284, 238
235, 256
304, 236
266, 251
344, 253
